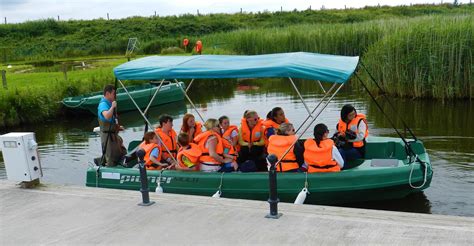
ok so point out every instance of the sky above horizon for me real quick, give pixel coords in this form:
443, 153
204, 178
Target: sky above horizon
23, 10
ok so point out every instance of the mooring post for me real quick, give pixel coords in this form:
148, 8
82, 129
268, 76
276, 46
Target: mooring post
273, 199
143, 179
4, 79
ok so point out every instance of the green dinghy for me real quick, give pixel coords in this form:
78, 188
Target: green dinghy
386, 173
142, 95
392, 167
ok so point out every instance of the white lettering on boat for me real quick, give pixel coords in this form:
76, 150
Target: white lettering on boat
136, 179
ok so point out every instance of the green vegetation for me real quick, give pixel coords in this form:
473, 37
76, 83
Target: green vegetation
429, 55
423, 57
50, 39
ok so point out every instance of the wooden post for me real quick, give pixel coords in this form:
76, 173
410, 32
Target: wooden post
65, 71
4, 79
108, 16
5, 20
198, 12
58, 17
281, 8
309, 7
240, 10
155, 13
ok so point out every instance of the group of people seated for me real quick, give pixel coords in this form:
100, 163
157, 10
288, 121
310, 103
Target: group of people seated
222, 147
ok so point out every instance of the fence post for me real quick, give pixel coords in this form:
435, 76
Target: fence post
65, 71
4, 79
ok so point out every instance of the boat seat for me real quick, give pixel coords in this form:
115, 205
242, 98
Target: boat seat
384, 163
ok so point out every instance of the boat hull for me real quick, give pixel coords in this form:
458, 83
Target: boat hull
142, 95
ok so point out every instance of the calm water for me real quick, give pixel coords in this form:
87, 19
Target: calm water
67, 146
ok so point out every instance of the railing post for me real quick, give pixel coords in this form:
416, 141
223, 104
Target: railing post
144, 180
273, 199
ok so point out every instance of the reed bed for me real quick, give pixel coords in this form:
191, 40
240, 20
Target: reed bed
424, 57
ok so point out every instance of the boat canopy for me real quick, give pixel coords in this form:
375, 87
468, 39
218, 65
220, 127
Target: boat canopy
302, 65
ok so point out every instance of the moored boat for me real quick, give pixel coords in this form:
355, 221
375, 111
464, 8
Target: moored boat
392, 167
142, 94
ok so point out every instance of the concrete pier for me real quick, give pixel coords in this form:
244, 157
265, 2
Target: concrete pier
54, 214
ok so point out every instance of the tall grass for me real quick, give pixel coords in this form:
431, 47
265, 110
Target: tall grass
432, 57
423, 57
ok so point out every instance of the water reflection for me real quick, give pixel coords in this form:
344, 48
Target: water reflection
67, 146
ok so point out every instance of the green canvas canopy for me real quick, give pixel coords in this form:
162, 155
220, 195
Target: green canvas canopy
302, 65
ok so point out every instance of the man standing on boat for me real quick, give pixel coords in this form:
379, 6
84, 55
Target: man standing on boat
113, 150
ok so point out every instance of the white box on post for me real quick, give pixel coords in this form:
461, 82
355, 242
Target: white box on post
20, 153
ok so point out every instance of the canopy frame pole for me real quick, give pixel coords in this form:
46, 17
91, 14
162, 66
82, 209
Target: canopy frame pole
321, 85
307, 127
154, 95
317, 106
146, 119
189, 86
189, 99
301, 97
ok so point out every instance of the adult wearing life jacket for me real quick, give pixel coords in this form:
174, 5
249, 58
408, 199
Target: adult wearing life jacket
231, 134
252, 141
191, 127
199, 47
280, 143
152, 150
352, 128
188, 154
274, 118
168, 136
320, 154
213, 157
112, 144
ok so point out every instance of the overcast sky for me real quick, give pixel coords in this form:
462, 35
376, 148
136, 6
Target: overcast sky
23, 10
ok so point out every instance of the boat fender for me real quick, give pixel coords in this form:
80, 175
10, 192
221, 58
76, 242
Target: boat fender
159, 189
301, 196
217, 194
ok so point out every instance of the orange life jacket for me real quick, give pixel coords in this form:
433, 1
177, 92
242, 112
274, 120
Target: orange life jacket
148, 148
256, 134
168, 140
278, 145
319, 159
192, 152
198, 46
197, 130
228, 142
269, 124
201, 141
354, 126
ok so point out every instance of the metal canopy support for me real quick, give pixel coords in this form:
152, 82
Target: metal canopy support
307, 127
317, 106
154, 95
189, 86
189, 99
301, 97
322, 88
146, 119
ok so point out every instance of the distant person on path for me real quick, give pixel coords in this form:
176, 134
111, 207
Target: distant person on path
352, 130
112, 144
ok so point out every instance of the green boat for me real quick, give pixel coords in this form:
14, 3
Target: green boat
142, 94
392, 167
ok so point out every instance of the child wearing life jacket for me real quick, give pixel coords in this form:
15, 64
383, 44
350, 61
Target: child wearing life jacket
152, 150
252, 141
320, 153
231, 134
280, 143
188, 154
191, 127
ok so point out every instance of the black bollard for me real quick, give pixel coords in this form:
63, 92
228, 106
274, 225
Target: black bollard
143, 179
273, 199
